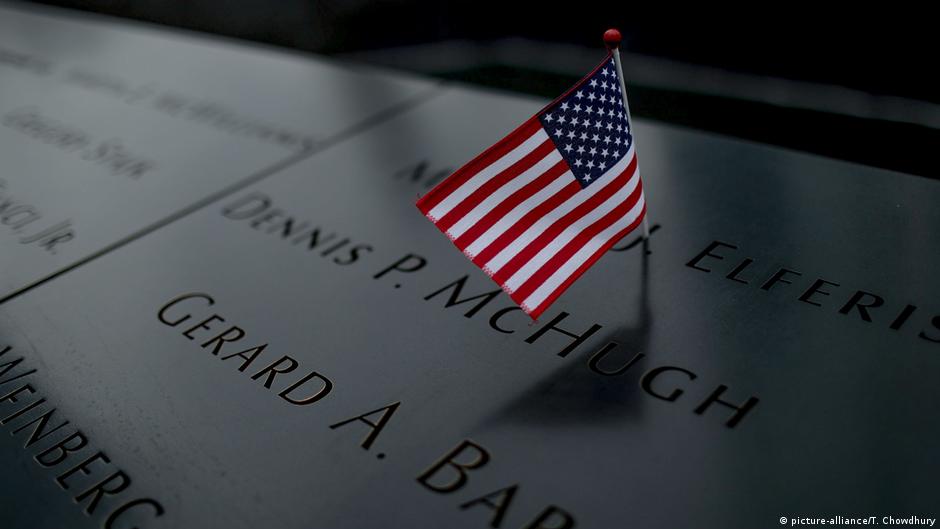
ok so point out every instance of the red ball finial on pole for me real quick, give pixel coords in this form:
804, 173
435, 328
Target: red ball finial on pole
612, 38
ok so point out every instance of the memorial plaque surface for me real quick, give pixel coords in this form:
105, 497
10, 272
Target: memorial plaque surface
772, 356
107, 130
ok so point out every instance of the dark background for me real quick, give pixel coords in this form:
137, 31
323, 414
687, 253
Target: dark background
856, 85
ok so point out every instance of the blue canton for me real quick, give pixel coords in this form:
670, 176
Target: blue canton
589, 126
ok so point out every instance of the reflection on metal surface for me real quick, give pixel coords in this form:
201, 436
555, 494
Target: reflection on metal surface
667, 388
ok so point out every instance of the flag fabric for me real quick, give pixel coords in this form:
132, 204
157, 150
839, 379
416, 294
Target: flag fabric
539, 207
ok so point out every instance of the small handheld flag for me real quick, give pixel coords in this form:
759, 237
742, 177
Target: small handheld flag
543, 204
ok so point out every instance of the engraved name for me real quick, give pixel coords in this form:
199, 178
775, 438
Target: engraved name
96, 484
25, 221
258, 211
109, 154
862, 305
192, 315
668, 383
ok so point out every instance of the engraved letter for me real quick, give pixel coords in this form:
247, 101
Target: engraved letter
458, 285
376, 427
740, 411
324, 391
579, 338
482, 457
502, 497
161, 315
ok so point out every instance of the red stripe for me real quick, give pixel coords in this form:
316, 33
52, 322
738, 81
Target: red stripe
526, 222
493, 184
474, 166
527, 253
536, 312
583, 237
507, 205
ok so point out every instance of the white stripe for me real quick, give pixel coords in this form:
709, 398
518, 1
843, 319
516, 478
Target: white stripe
564, 272
560, 211
486, 173
569, 233
517, 213
501, 194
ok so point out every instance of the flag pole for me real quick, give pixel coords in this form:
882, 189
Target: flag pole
612, 41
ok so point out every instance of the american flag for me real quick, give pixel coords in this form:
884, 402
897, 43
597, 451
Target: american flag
539, 207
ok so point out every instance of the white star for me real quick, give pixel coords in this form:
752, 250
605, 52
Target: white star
568, 148
577, 163
559, 132
591, 96
610, 113
616, 154
617, 141
579, 95
577, 108
620, 115
597, 124
548, 118
584, 135
595, 138
593, 83
571, 134
608, 127
561, 118
604, 153
619, 128
589, 110
603, 98
587, 178
590, 164
580, 149
603, 166
604, 84
593, 151
564, 106
605, 72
